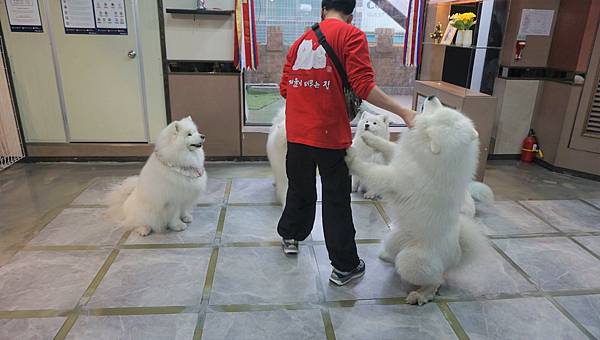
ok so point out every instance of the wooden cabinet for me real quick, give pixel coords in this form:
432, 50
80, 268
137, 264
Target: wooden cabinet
213, 102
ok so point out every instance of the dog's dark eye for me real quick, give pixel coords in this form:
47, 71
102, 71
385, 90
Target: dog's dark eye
374, 123
190, 134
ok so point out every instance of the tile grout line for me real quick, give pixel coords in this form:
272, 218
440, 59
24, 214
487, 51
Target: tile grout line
585, 248
383, 213
570, 317
206, 291
585, 200
516, 266
212, 265
452, 320
547, 295
325, 314
87, 294
543, 219
153, 310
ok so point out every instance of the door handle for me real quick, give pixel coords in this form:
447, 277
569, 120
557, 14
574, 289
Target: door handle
132, 54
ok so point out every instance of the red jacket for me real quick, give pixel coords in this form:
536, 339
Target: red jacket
315, 106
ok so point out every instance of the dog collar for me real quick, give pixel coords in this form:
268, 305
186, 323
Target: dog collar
187, 171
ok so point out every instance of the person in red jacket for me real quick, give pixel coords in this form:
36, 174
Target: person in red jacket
318, 134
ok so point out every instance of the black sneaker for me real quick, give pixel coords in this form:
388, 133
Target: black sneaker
290, 247
341, 278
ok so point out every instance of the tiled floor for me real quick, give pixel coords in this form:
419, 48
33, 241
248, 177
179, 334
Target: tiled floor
80, 277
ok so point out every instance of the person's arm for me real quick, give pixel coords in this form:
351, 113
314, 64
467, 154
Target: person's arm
378, 98
284, 75
362, 78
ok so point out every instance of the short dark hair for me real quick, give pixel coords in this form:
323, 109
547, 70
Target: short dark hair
344, 6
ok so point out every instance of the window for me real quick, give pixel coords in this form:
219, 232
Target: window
280, 22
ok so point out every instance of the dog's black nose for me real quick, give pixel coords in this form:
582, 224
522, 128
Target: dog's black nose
430, 97
367, 126
202, 137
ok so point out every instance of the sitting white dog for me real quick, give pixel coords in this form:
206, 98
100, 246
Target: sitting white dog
429, 173
276, 152
168, 187
380, 127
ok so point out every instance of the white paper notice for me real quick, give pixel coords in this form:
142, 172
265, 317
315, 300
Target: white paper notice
23, 13
536, 22
110, 14
78, 14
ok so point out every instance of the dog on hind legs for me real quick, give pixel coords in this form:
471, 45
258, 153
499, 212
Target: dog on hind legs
276, 152
169, 185
379, 126
426, 180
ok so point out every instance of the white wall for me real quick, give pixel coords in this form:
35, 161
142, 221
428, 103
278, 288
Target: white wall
515, 113
199, 37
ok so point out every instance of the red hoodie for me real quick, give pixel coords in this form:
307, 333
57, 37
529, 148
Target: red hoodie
315, 106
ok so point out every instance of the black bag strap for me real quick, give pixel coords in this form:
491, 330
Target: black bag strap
332, 55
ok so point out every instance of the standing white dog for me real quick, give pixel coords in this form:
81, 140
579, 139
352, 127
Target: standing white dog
169, 185
276, 152
431, 168
380, 127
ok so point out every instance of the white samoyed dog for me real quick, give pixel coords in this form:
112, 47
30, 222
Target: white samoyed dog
379, 126
427, 179
169, 185
276, 152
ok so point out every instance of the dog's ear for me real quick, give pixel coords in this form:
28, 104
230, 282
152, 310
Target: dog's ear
362, 115
176, 127
434, 146
475, 135
386, 120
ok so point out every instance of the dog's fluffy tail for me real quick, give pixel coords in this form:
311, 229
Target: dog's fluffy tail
481, 192
119, 195
472, 241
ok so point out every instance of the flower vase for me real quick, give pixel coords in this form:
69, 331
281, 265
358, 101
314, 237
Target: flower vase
459, 37
466, 38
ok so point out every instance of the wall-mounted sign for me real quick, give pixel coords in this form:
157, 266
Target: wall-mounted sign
536, 22
24, 15
94, 16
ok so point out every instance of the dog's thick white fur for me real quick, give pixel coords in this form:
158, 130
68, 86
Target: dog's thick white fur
169, 185
426, 180
379, 126
276, 152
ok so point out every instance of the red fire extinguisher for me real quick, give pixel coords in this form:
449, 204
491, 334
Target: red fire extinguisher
530, 148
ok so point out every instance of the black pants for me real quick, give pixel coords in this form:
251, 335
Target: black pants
299, 213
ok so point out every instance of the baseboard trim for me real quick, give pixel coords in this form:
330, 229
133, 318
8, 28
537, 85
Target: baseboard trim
107, 152
87, 151
504, 157
565, 171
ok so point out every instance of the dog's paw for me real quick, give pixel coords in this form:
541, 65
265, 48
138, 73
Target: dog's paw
143, 231
368, 138
371, 196
417, 298
178, 226
351, 154
187, 218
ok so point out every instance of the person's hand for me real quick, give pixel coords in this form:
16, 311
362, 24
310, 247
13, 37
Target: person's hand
409, 117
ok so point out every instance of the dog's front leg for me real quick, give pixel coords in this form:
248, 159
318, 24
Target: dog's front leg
177, 224
422, 295
376, 177
385, 147
186, 215
355, 184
